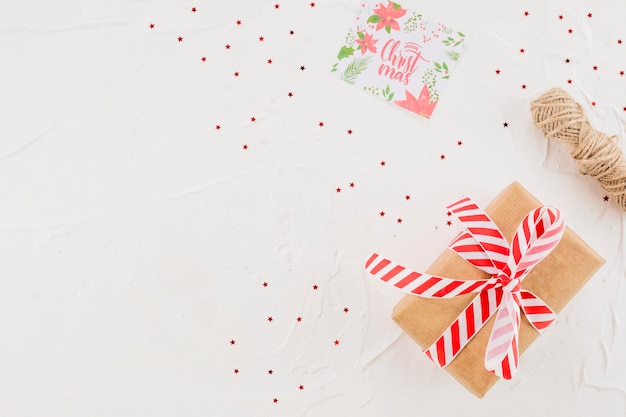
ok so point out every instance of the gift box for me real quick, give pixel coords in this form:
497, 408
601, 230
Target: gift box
555, 280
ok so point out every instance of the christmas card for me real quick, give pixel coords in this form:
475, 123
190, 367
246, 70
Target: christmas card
398, 55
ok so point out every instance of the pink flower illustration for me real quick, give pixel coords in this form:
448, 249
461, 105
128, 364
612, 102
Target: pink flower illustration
388, 15
366, 43
421, 105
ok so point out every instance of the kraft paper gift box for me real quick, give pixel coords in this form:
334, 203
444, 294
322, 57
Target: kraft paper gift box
556, 279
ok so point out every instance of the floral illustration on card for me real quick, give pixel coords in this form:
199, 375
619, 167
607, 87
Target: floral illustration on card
396, 54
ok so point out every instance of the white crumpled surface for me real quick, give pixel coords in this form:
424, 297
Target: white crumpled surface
135, 237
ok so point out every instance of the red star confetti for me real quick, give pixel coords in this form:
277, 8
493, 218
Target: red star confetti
203, 59
569, 81
245, 147
383, 163
593, 103
589, 15
606, 198
382, 214
302, 68
526, 13
236, 371
350, 130
276, 6
238, 22
338, 189
621, 73
270, 372
619, 41
351, 185
269, 61
523, 86
315, 287
449, 223
193, 9
265, 284
232, 342
227, 46
236, 74
270, 319
261, 38
624, 109
449, 213
321, 124
407, 197
301, 387
399, 220
345, 310
595, 67
253, 119
442, 157
567, 60
570, 30
505, 124
291, 32
180, 39
336, 342
275, 400
560, 17
312, 4
218, 127
290, 94
497, 72
459, 143
151, 25
299, 319
522, 50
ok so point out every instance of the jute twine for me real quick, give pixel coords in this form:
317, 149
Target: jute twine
560, 117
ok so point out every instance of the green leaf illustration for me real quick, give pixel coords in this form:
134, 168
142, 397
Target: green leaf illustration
388, 29
454, 56
355, 68
360, 35
458, 43
390, 97
461, 34
345, 52
437, 65
446, 77
396, 6
445, 66
373, 19
334, 67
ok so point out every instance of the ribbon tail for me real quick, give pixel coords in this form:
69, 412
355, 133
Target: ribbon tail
464, 327
424, 285
502, 349
538, 313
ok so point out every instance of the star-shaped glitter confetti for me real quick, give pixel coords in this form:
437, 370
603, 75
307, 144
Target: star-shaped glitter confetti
497, 72
345, 309
290, 94
399, 220
336, 342
151, 25
350, 130
270, 319
351, 185
301, 387
606, 197
505, 124
180, 39
193, 10
383, 163
298, 319
232, 342
382, 214
338, 189
265, 284
315, 287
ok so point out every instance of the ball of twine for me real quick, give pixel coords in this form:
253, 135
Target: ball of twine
560, 117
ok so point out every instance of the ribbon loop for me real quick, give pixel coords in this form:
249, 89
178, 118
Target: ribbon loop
484, 246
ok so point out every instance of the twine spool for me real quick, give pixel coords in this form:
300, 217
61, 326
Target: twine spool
560, 117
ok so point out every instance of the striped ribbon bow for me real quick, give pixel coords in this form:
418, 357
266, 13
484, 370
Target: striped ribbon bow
483, 245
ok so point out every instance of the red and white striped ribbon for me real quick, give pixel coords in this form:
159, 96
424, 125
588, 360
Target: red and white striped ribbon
483, 245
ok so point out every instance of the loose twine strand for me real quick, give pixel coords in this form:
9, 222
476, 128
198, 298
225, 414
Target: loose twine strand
561, 118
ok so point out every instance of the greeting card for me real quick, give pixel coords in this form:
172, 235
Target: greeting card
398, 55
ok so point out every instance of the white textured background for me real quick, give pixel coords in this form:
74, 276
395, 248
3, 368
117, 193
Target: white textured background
135, 237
